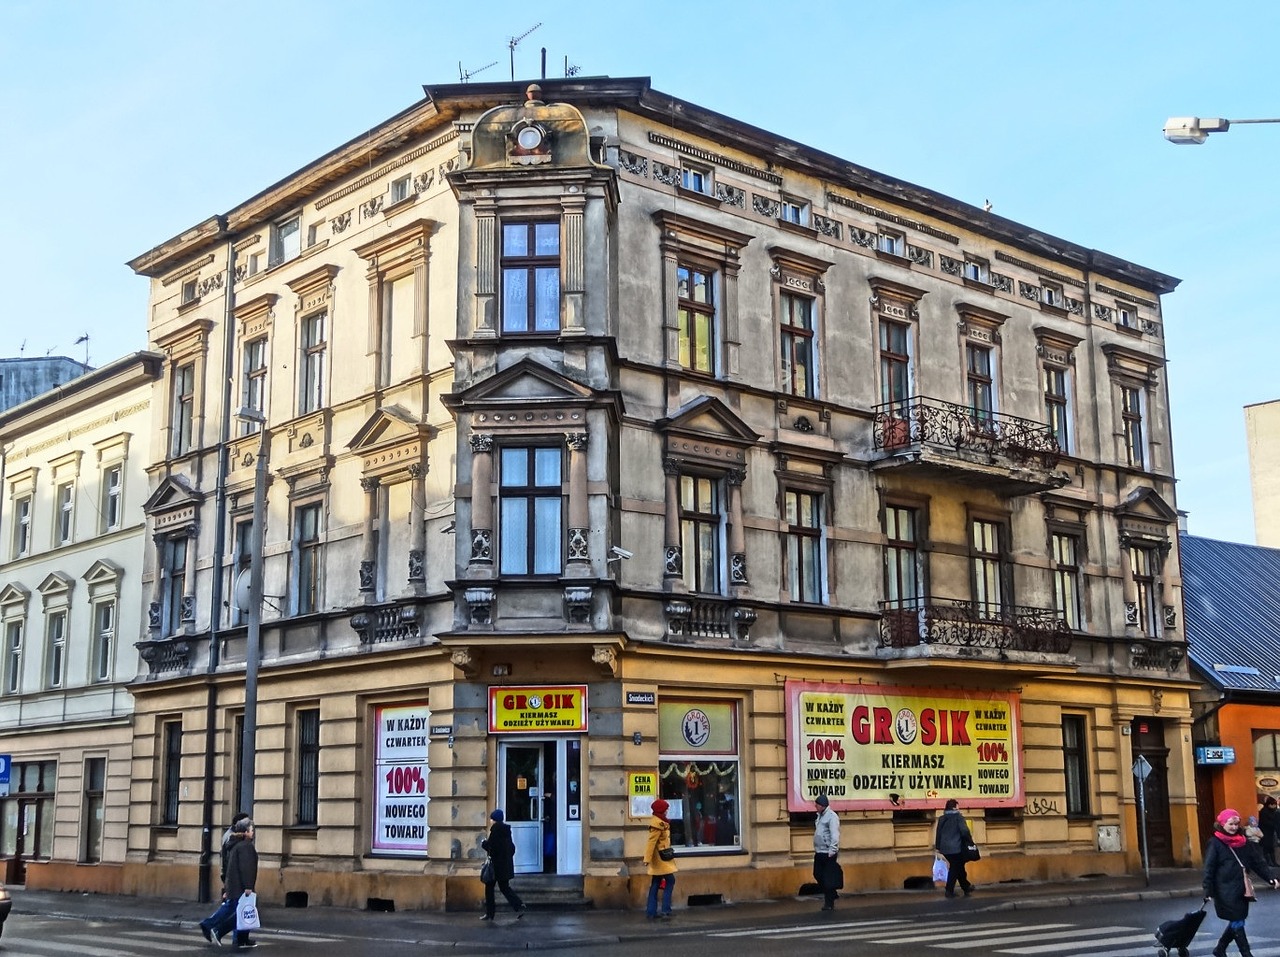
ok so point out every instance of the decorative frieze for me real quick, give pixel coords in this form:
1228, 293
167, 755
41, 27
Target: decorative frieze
952, 267
888, 217
738, 569
1103, 313
1028, 291
1075, 306
669, 175
920, 256
673, 561
339, 223
766, 206
862, 237
731, 195
1001, 283
827, 226
371, 207
578, 549
367, 573
633, 163
482, 545
417, 572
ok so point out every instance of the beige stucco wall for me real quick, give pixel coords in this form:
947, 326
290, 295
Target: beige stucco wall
1262, 434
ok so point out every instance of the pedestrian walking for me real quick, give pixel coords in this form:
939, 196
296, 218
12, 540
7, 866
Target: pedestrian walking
661, 858
826, 850
1228, 858
240, 877
952, 839
502, 860
1269, 824
209, 926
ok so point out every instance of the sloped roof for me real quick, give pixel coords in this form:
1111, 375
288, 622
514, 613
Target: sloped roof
1231, 612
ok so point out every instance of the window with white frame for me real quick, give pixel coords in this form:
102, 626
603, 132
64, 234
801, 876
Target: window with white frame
894, 244
796, 333
1066, 578
173, 582
313, 233
112, 497
696, 178
1051, 295
286, 240
182, 409
401, 189
64, 520
976, 270
253, 383
22, 526
805, 578
530, 277
980, 385
307, 556
104, 639
13, 655
189, 291
696, 315
986, 556
530, 510
1142, 567
1058, 405
311, 363
56, 647
793, 210
702, 532
1126, 316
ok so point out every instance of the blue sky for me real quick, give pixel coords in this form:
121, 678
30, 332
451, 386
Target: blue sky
123, 123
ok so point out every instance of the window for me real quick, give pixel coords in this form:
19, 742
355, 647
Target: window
95, 789
104, 639
530, 489
701, 521
794, 211
182, 416
979, 383
26, 815
976, 270
189, 291
112, 500
1126, 316
308, 796
13, 657
170, 772
22, 526
1142, 567
799, 375
1051, 295
696, 178
242, 533
1266, 752
253, 387
902, 556
696, 317
986, 553
311, 364
173, 581
307, 539
804, 546
64, 520
255, 263
531, 277
1057, 405
700, 781
400, 189
895, 364
286, 240
1066, 578
56, 638
1075, 764
891, 243
1131, 417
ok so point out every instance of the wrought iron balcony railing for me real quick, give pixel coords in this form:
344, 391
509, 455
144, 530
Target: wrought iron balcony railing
964, 624
921, 420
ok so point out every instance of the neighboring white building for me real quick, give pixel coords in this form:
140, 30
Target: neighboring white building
1262, 432
72, 463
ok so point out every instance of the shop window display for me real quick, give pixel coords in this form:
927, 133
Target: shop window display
705, 796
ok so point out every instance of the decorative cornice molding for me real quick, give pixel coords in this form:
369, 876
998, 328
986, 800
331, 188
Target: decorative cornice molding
1004, 257
718, 159
1126, 296
893, 218
385, 168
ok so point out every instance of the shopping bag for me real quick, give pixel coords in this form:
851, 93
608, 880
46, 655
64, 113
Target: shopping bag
940, 868
247, 912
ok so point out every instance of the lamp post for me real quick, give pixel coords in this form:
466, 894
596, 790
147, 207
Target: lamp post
1186, 130
253, 639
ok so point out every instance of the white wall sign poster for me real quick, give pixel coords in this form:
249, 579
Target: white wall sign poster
400, 780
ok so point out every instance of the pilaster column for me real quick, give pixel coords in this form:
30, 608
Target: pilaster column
368, 553
673, 556
1131, 614
188, 586
573, 259
579, 548
418, 522
481, 501
157, 588
485, 319
737, 535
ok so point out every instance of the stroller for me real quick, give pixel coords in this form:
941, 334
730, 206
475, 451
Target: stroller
1177, 934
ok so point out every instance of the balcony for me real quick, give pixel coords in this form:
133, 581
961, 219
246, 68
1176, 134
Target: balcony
927, 436
698, 618
949, 627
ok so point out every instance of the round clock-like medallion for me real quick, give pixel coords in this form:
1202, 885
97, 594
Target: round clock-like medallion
529, 138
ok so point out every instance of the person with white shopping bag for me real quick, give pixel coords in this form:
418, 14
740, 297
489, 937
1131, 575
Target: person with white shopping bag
242, 877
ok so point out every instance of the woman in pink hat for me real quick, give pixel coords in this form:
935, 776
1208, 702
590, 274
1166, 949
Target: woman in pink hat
660, 868
1227, 860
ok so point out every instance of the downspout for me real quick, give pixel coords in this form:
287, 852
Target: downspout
205, 884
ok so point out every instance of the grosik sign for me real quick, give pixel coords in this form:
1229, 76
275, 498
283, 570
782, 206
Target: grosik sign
872, 747
537, 710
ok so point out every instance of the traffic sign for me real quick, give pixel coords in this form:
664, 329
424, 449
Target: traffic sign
1142, 768
6, 764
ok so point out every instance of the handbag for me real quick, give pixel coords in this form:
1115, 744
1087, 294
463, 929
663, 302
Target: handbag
486, 872
667, 853
971, 853
247, 912
1249, 894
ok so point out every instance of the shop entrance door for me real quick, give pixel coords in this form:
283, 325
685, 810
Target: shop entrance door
540, 787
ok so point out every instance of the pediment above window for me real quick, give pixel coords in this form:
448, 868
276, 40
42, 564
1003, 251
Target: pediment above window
528, 395
56, 589
13, 600
390, 440
103, 574
708, 430
173, 503
1145, 516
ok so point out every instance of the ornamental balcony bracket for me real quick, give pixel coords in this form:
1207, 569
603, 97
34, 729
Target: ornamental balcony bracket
165, 655
1154, 655
697, 618
972, 627
1012, 455
378, 624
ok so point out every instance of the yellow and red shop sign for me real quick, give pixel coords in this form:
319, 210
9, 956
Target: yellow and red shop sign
537, 709
871, 747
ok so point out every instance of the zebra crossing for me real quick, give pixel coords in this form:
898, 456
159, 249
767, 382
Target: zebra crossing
35, 937
991, 937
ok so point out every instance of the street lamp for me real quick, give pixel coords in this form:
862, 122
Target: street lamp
1185, 130
253, 639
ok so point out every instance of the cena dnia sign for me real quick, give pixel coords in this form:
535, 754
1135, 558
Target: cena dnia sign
879, 747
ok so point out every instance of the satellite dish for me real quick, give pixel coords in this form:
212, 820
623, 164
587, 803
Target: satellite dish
240, 591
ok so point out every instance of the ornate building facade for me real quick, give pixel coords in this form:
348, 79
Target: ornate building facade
618, 448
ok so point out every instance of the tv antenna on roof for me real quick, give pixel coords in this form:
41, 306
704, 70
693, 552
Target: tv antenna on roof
571, 69
85, 340
466, 75
513, 41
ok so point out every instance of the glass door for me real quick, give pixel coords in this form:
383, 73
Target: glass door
521, 775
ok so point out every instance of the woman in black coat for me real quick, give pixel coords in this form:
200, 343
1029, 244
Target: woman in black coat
502, 854
241, 877
1226, 858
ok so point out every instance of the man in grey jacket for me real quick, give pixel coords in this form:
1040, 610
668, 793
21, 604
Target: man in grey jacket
952, 840
826, 846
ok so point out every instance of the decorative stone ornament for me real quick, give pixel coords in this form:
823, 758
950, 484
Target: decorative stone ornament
530, 144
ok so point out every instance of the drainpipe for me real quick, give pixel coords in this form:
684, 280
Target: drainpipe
205, 884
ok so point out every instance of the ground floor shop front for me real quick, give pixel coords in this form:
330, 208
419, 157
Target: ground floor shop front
376, 774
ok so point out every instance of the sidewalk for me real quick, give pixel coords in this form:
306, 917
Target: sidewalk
585, 928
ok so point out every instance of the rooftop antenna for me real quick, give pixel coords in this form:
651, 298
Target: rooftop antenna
511, 46
22, 348
84, 339
466, 75
571, 69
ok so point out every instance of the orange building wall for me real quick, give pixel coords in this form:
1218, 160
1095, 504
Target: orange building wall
1233, 785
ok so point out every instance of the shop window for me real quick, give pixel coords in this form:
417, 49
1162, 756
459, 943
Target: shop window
1266, 752
1075, 763
699, 773
26, 814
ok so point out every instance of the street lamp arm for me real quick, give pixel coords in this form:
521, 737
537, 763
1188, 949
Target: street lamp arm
1185, 130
